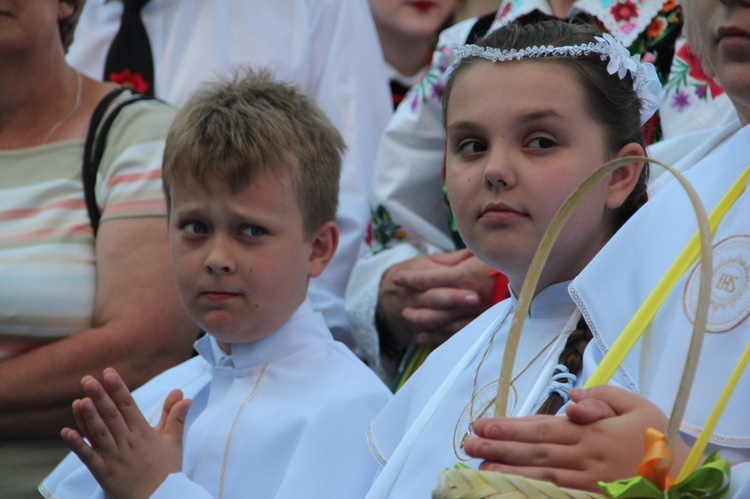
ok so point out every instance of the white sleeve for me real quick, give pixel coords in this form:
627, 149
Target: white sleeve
179, 485
409, 216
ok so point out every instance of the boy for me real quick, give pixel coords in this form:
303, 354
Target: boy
251, 175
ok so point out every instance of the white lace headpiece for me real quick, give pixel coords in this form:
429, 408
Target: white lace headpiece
645, 81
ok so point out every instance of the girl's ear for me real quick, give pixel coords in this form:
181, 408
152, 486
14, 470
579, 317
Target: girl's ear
624, 179
324, 243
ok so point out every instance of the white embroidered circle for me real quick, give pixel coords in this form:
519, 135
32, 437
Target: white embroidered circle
730, 289
482, 405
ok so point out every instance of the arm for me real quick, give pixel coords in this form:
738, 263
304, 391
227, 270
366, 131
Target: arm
574, 451
126, 456
140, 328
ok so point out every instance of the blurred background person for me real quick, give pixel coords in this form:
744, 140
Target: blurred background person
71, 301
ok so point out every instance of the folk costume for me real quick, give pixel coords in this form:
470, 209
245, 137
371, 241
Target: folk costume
281, 417
422, 430
613, 286
329, 47
409, 214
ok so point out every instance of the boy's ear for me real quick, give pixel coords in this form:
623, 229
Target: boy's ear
624, 179
324, 244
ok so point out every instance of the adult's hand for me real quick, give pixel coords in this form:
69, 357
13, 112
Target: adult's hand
430, 297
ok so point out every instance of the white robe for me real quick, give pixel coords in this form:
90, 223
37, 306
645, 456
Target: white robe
616, 282
416, 434
302, 433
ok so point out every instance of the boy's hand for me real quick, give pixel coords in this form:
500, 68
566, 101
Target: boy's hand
125, 454
601, 439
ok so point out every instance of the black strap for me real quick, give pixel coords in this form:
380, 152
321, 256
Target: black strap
96, 141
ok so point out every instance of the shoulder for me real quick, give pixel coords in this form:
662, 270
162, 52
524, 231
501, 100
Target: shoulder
141, 116
335, 377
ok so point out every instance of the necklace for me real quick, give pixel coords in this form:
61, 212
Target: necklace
458, 444
72, 111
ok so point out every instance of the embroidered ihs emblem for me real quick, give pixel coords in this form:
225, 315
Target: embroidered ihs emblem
730, 289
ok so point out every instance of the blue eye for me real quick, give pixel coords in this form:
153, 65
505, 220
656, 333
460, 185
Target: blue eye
254, 231
196, 228
471, 146
541, 143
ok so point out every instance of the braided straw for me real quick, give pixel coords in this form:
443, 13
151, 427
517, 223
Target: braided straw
466, 483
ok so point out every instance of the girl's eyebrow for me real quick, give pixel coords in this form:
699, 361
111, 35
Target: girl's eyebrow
524, 119
539, 115
461, 126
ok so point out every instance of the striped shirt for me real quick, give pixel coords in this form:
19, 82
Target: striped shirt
47, 254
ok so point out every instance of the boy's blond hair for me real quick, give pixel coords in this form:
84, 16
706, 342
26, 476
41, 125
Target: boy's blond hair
232, 130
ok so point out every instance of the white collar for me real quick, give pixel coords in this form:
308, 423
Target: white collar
304, 328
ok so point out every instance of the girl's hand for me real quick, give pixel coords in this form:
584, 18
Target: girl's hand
601, 439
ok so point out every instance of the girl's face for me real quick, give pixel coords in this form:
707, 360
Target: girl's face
519, 141
723, 35
418, 18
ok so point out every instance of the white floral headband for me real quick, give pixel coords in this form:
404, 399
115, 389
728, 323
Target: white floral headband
645, 81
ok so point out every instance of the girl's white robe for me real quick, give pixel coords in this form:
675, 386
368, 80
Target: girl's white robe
415, 435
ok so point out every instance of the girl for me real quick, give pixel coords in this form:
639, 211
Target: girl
653, 368
524, 129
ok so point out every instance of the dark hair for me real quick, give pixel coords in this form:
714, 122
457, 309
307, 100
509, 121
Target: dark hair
610, 100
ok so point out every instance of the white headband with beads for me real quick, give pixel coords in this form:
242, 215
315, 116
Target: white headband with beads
645, 81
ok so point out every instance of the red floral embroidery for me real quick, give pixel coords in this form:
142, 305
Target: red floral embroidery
506, 10
624, 11
128, 79
696, 70
656, 27
669, 6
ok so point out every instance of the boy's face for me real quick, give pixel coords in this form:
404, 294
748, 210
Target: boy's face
241, 260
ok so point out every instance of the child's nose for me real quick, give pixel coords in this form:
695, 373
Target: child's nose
218, 260
499, 172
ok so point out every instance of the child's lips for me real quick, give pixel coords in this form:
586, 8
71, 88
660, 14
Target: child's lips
218, 295
500, 212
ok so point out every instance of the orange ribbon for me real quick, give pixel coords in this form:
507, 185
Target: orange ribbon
657, 461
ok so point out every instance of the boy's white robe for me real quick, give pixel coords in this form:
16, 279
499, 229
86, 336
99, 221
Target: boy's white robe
415, 434
302, 434
612, 287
